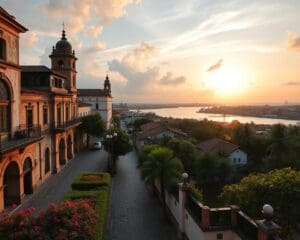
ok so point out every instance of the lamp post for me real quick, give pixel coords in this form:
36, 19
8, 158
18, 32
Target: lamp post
110, 148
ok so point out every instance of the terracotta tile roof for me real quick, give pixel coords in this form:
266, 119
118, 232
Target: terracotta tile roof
152, 129
148, 126
92, 93
82, 104
217, 145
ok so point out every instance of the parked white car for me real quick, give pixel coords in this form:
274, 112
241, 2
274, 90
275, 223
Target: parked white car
97, 145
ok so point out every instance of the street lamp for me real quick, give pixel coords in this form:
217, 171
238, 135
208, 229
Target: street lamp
111, 160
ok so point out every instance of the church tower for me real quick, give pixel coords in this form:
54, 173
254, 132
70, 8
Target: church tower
63, 61
107, 87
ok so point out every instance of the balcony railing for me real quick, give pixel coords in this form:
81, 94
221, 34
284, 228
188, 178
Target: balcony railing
220, 217
195, 209
61, 126
21, 136
246, 227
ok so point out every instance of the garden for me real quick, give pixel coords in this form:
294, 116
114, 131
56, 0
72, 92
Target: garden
81, 214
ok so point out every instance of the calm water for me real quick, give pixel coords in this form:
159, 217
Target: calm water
191, 112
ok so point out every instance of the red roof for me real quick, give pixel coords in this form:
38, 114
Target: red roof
92, 93
150, 125
152, 129
217, 145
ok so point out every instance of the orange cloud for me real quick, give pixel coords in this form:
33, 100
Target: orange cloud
293, 42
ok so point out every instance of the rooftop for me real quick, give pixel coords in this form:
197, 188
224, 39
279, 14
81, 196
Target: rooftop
39, 68
218, 145
92, 93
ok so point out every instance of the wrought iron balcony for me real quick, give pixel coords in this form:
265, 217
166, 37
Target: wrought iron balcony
19, 138
62, 126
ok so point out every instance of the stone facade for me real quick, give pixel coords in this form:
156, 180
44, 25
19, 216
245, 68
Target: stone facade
38, 114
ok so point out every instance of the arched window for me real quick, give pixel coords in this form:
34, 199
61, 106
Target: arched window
4, 106
2, 49
60, 63
47, 160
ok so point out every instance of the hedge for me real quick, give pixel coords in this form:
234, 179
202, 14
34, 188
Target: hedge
78, 184
102, 199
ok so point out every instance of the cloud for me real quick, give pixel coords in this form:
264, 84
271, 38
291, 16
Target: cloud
76, 13
216, 66
292, 83
99, 46
139, 55
29, 39
293, 42
168, 79
94, 31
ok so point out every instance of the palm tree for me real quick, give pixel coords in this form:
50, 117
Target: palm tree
161, 164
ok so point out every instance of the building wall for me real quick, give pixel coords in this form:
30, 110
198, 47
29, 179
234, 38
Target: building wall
11, 71
104, 107
238, 157
84, 111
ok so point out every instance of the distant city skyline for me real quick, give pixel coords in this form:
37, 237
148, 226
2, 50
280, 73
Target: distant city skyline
231, 52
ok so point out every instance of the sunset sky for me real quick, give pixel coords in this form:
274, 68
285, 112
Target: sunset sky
206, 51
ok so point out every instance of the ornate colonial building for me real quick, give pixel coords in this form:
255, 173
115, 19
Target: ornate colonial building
100, 100
38, 114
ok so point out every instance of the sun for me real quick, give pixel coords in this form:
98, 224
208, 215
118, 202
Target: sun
226, 81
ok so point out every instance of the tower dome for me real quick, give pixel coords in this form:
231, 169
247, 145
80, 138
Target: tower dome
63, 46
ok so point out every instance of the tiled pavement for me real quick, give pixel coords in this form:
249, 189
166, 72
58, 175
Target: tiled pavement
54, 188
135, 214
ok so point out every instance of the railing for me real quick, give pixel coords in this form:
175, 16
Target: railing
220, 217
246, 227
66, 124
195, 209
20, 136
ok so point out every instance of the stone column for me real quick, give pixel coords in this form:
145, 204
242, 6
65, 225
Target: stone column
234, 211
205, 217
266, 227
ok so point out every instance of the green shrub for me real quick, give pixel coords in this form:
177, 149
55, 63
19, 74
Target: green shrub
101, 206
79, 184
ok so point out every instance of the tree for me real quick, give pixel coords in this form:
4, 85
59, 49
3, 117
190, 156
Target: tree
161, 165
116, 121
93, 125
118, 145
280, 188
185, 151
144, 153
280, 151
212, 171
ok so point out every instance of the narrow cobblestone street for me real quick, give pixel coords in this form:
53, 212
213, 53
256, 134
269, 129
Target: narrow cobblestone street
134, 213
54, 188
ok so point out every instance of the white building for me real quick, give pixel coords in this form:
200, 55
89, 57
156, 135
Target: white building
235, 154
84, 109
100, 101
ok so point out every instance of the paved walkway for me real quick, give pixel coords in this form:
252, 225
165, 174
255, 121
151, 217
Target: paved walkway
134, 213
54, 188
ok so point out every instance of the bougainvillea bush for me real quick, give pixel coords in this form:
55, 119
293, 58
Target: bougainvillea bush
69, 220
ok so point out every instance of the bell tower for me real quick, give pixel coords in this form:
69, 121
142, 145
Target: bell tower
63, 61
107, 86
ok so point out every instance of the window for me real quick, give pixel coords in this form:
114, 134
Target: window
97, 106
47, 160
2, 49
74, 81
45, 115
60, 63
67, 113
239, 160
29, 117
4, 107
